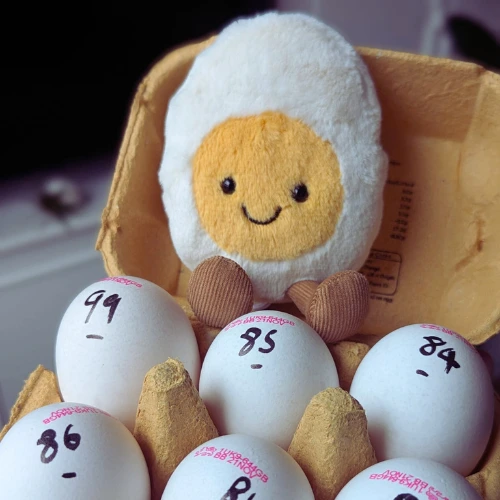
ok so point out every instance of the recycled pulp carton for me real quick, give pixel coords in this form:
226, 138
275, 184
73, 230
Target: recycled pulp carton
436, 259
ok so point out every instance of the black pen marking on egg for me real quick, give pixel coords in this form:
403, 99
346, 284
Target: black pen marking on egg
421, 372
255, 367
69, 475
98, 337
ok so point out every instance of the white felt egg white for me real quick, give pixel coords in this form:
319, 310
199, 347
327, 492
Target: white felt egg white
238, 467
71, 451
112, 333
408, 479
261, 372
427, 394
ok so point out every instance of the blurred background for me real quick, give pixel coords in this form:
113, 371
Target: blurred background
69, 78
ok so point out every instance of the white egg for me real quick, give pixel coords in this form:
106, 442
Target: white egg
427, 394
261, 372
238, 467
71, 451
408, 479
112, 334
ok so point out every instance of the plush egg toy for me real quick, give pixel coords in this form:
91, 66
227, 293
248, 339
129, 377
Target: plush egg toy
427, 394
238, 466
112, 333
261, 372
408, 479
71, 451
273, 172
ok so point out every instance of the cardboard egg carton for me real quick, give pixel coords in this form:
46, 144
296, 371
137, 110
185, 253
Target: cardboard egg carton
435, 260
172, 421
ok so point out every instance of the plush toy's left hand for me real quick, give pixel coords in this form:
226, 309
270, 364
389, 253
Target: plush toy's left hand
219, 291
337, 307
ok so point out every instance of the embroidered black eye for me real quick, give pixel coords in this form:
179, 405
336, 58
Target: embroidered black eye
228, 185
300, 193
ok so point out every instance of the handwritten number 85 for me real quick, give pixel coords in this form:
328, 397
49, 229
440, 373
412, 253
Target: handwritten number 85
251, 335
112, 302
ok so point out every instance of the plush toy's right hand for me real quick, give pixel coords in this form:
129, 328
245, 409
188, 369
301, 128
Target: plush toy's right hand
336, 307
219, 291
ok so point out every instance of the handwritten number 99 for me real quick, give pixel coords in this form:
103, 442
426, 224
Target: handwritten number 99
112, 302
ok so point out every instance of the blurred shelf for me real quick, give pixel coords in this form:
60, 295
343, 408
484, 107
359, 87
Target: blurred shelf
45, 260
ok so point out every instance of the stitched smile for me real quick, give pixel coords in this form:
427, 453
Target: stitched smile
261, 222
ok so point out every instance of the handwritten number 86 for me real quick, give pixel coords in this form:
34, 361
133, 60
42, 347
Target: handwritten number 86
48, 439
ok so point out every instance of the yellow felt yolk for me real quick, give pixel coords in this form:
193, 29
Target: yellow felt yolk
267, 187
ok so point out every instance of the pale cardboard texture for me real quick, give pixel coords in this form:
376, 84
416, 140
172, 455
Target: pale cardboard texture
135, 200
331, 442
435, 259
347, 356
171, 421
40, 389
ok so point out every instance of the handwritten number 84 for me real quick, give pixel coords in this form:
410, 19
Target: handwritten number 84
447, 354
112, 302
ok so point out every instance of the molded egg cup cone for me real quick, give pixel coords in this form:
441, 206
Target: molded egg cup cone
41, 389
347, 356
331, 443
171, 421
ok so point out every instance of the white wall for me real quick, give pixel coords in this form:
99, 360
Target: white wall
44, 263
407, 25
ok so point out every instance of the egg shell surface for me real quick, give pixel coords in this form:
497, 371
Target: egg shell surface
427, 393
71, 451
238, 466
261, 372
408, 479
112, 333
